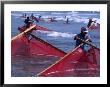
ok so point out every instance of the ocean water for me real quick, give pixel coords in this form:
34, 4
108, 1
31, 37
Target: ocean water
62, 36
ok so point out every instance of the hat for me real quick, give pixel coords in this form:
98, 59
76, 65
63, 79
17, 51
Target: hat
83, 29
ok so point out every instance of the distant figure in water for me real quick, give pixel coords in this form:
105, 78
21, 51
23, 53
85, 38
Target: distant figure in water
82, 36
32, 16
37, 19
24, 15
52, 19
39, 16
66, 20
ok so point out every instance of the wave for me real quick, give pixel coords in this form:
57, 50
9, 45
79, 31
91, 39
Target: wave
72, 16
64, 13
76, 19
57, 34
85, 19
88, 14
17, 15
57, 13
63, 34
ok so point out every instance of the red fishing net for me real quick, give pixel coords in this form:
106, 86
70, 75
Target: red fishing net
42, 28
95, 27
36, 46
37, 27
76, 63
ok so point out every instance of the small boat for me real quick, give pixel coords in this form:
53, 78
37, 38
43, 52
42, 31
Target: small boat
37, 27
76, 63
22, 45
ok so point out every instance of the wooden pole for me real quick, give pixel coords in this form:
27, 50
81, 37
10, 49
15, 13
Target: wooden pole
27, 30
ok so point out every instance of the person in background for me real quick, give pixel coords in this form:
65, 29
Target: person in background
82, 36
25, 15
66, 20
90, 23
28, 22
40, 16
32, 16
52, 19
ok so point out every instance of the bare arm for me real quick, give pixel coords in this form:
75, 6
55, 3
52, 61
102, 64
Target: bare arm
88, 37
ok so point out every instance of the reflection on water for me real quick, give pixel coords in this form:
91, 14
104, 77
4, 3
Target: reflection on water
28, 67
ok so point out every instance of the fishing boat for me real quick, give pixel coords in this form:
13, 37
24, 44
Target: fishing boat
75, 63
36, 27
95, 26
20, 44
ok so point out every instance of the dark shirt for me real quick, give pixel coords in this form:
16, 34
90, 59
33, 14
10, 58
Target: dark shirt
27, 21
83, 37
89, 23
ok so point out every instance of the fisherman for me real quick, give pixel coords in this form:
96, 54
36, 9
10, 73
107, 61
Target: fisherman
25, 15
90, 23
82, 36
36, 19
51, 19
39, 16
66, 20
32, 16
28, 22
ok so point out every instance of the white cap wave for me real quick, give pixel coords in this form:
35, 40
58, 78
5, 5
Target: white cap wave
58, 34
